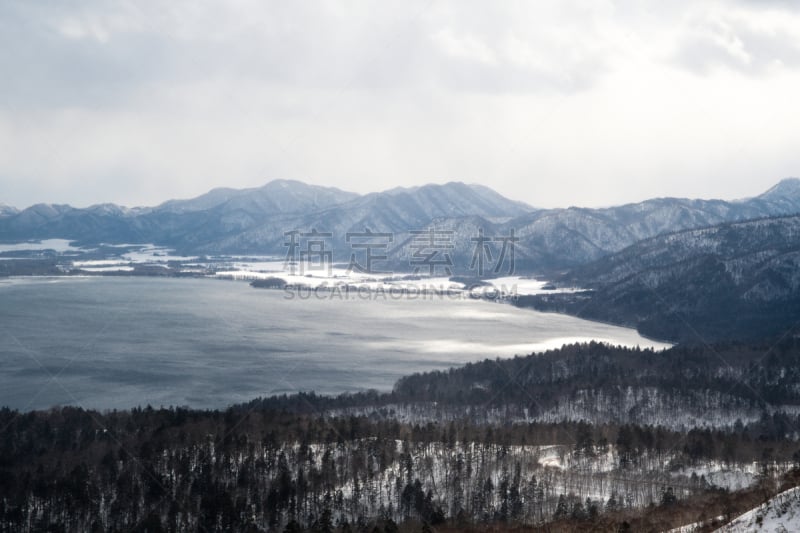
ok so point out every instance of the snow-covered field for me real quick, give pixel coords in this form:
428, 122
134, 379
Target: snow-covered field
718, 474
150, 253
56, 245
254, 267
523, 286
109, 268
506, 287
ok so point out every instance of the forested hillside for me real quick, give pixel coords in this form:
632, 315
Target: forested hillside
724, 385
586, 437
262, 470
731, 281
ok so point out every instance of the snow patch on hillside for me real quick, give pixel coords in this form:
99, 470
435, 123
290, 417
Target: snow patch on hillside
56, 245
781, 513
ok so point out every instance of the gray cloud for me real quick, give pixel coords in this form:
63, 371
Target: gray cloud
100, 53
785, 4
560, 102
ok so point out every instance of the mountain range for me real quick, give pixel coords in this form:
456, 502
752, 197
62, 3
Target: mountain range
253, 221
737, 280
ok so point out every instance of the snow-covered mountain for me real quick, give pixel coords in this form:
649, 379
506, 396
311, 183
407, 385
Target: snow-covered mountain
549, 239
180, 223
277, 196
744, 247
564, 238
733, 280
7, 210
255, 220
785, 194
396, 211
33, 217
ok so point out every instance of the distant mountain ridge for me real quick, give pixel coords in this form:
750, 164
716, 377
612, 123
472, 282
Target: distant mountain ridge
565, 238
397, 211
7, 210
277, 196
253, 221
787, 191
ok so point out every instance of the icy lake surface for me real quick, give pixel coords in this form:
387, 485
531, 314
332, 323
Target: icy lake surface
105, 342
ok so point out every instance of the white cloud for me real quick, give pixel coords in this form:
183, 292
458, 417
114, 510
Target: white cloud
750, 41
465, 47
562, 102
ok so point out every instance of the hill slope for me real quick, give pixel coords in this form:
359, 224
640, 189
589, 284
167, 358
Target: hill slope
732, 281
780, 513
565, 238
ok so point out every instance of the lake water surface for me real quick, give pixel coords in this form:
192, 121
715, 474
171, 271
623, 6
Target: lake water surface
104, 342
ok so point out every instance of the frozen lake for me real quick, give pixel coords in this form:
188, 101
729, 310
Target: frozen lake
105, 342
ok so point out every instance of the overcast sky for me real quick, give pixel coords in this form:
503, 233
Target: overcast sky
554, 103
